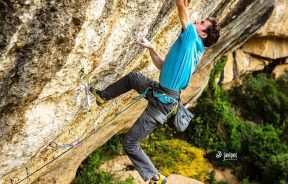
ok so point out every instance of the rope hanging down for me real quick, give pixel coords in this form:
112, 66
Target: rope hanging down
78, 142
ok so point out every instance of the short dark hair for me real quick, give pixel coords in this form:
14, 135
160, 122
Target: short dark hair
212, 32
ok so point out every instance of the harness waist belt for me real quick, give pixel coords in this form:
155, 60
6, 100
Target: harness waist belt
168, 92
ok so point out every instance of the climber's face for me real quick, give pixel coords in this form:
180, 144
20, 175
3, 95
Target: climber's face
201, 27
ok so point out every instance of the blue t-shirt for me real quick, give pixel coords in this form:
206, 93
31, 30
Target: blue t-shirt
182, 59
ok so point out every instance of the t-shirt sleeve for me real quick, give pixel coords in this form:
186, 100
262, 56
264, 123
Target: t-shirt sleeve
189, 34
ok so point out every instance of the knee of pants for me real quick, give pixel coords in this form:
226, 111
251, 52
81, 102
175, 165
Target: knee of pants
130, 147
133, 74
132, 80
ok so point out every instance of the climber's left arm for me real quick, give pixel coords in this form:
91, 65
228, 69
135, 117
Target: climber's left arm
156, 58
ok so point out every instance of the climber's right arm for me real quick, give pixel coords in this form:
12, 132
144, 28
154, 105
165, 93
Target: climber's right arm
183, 13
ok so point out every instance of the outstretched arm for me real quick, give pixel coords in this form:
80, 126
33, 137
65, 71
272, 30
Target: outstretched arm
183, 13
156, 58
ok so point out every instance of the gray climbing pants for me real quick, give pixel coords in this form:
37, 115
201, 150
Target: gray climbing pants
146, 123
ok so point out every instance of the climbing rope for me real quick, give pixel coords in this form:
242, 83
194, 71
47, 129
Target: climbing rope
78, 142
32, 173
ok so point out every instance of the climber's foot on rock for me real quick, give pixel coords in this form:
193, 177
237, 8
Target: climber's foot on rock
96, 93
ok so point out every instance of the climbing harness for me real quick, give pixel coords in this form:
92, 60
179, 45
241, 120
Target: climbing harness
162, 97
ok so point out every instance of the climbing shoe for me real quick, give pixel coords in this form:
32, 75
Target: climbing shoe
162, 180
96, 93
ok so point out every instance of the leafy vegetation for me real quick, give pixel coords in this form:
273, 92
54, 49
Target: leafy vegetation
262, 100
178, 157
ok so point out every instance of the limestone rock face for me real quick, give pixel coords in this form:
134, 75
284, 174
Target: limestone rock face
178, 179
271, 48
240, 63
277, 25
279, 70
229, 69
44, 46
268, 47
118, 166
226, 175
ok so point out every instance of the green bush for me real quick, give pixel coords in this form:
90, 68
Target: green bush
246, 181
262, 99
179, 157
277, 169
283, 82
113, 147
262, 143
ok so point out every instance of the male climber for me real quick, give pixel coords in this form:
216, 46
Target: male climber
175, 72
